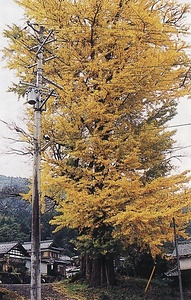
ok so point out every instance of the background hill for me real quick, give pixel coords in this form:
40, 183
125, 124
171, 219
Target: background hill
14, 183
15, 215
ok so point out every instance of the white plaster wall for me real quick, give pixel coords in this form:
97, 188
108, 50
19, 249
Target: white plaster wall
43, 267
185, 264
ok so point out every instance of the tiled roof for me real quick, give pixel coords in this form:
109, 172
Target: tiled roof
43, 245
6, 247
184, 249
47, 244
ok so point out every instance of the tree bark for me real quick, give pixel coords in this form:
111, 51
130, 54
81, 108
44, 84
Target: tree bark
109, 267
99, 271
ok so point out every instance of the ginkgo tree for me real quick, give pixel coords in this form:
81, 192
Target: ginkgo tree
120, 68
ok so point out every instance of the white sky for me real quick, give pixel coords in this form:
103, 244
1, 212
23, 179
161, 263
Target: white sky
12, 110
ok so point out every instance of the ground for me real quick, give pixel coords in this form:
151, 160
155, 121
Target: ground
130, 289
48, 293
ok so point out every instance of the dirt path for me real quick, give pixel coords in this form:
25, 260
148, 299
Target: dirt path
48, 293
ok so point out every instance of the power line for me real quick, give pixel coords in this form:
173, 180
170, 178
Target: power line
179, 125
22, 42
132, 28
118, 133
162, 66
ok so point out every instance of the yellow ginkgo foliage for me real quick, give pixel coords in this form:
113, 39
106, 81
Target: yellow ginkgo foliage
122, 65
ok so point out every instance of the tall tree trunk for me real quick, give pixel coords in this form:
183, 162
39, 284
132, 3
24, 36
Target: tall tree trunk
88, 273
109, 270
96, 272
99, 271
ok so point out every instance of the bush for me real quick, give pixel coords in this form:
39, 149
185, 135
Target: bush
9, 295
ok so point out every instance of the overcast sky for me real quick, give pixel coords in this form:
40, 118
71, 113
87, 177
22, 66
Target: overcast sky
12, 110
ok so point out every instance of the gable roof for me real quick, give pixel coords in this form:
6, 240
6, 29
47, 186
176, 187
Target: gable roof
47, 244
184, 249
8, 246
43, 245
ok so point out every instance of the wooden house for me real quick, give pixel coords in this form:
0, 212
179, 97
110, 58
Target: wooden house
184, 255
13, 257
51, 261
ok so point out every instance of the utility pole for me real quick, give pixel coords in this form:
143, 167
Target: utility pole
178, 261
38, 101
36, 232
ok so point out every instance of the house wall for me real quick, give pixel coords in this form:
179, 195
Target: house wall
28, 265
185, 263
43, 267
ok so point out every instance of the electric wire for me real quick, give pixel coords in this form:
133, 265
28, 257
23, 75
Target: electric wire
161, 66
148, 67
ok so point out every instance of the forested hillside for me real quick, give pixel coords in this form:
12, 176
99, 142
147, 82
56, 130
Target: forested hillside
15, 215
14, 212
16, 183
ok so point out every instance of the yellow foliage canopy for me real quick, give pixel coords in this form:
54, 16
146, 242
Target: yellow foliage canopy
122, 66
